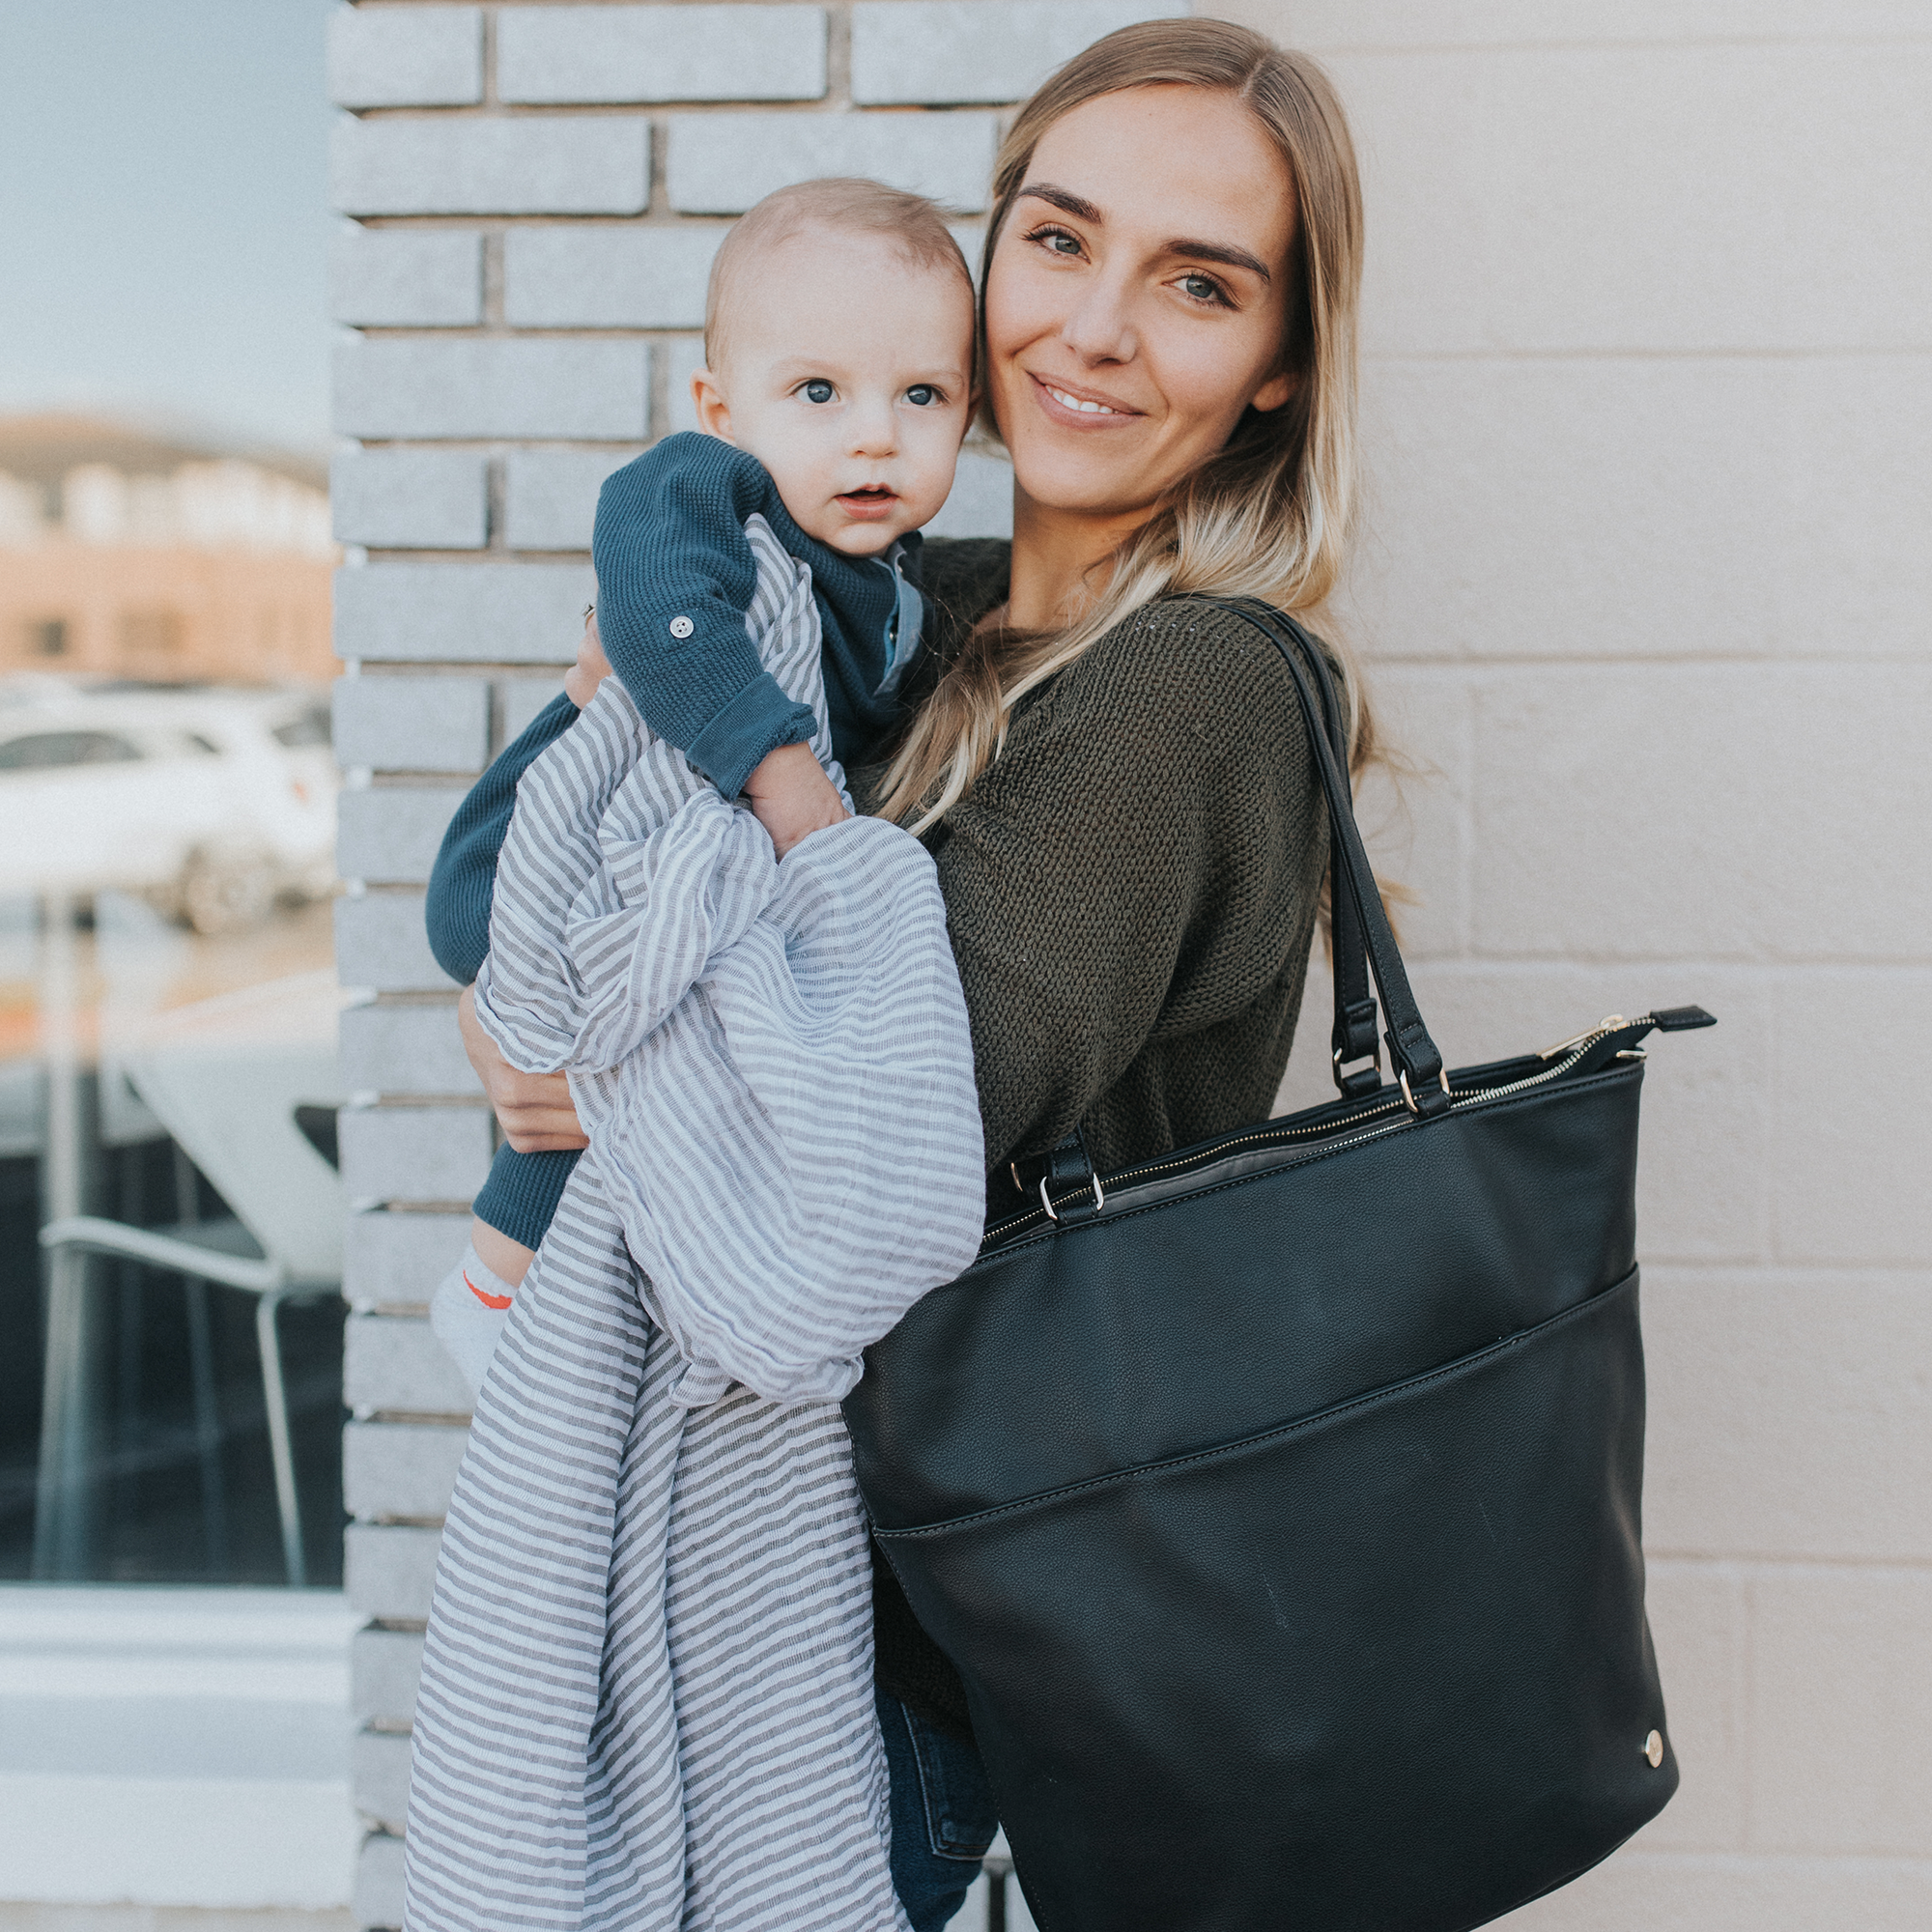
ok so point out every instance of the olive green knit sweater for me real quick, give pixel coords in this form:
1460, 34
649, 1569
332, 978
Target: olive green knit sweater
1130, 889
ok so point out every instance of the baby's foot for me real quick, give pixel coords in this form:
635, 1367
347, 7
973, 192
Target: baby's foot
468, 1313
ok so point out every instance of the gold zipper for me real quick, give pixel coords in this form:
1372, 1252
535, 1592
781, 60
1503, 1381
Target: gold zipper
1572, 1051
1603, 1026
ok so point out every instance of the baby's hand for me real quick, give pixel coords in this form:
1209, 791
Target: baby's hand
792, 798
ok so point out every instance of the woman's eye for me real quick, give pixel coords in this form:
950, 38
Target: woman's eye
1056, 240
1204, 288
923, 396
817, 391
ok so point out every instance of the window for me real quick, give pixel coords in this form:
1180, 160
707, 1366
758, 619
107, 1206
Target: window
53, 751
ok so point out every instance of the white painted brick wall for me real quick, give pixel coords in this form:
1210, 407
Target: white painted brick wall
389, 834
401, 1470
928, 52
982, 502
412, 724
379, 1882
393, 1364
473, 614
458, 165
380, 1774
394, 1261
548, 54
382, 1669
406, 56
463, 387
410, 498
389, 1571
406, 278
608, 277
721, 165
379, 944
400, 1048
522, 699
684, 356
414, 1153
549, 499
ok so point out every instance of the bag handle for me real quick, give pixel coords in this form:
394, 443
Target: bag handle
1352, 1036
1418, 1064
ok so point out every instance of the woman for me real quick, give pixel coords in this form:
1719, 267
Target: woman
1113, 777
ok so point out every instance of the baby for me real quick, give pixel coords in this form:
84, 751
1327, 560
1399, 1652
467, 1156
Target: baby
836, 391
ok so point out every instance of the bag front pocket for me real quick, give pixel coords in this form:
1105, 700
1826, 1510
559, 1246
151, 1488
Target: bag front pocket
1419, 1613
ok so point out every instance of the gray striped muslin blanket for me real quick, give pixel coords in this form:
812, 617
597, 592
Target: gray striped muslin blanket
647, 1695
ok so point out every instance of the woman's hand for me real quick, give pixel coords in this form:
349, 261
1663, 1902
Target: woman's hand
592, 669
535, 1110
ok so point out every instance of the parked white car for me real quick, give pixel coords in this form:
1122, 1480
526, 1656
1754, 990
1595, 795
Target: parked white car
213, 802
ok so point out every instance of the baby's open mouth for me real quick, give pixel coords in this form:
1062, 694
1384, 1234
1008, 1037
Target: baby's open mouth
874, 498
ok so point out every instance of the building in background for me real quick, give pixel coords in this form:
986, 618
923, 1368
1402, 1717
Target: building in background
125, 555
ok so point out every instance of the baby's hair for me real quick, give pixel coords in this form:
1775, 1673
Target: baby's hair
843, 203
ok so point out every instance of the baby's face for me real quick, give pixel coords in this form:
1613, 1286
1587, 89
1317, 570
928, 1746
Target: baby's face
847, 373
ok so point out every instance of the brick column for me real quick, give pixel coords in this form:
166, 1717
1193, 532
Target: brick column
535, 194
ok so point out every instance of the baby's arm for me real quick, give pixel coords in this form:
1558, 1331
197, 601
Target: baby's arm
676, 575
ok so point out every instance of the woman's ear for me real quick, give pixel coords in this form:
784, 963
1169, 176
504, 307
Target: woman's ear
714, 412
1274, 393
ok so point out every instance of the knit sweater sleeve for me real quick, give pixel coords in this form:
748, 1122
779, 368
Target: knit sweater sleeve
462, 881
1132, 865
674, 576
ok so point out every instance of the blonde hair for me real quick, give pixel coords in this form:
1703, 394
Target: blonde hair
1269, 515
844, 205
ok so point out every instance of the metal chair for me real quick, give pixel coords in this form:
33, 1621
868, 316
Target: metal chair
226, 1079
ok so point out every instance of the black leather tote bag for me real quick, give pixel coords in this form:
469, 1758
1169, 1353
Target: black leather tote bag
1278, 1500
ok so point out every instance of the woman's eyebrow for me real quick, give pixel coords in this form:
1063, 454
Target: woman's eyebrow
1065, 200
1083, 210
1220, 251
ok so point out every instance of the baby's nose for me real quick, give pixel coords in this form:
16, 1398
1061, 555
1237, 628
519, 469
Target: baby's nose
874, 432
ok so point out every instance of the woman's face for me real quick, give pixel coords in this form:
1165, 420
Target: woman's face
1136, 295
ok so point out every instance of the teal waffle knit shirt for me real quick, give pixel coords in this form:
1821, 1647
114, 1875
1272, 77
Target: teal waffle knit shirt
675, 574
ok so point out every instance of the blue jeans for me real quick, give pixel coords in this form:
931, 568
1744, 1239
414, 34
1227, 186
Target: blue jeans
943, 1817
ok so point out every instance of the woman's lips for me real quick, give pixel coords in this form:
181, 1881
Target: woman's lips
1085, 411
868, 506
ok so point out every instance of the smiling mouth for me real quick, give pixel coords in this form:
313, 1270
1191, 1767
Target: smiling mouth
1085, 406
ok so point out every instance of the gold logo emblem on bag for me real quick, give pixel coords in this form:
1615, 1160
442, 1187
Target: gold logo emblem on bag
1653, 1749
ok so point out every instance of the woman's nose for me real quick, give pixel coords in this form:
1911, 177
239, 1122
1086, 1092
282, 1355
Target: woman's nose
1098, 328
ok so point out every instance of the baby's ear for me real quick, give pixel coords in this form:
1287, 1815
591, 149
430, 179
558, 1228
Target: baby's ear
714, 412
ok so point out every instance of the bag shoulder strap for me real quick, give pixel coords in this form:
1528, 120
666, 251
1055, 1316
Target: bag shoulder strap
1363, 938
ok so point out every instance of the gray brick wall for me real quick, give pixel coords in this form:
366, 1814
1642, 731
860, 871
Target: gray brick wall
531, 197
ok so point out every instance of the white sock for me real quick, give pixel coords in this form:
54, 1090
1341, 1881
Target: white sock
468, 1313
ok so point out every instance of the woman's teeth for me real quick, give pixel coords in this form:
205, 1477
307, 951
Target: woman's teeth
1065, 401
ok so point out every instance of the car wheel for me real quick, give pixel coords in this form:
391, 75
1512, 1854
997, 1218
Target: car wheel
226, 892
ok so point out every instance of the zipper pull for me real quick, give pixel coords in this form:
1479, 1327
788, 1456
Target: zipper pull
1608, 1024
1680, 1019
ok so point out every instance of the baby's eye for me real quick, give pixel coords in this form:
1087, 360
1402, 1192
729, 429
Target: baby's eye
921, 395
817, 391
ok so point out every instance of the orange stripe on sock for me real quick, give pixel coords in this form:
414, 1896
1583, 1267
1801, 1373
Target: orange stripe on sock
488, 1300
